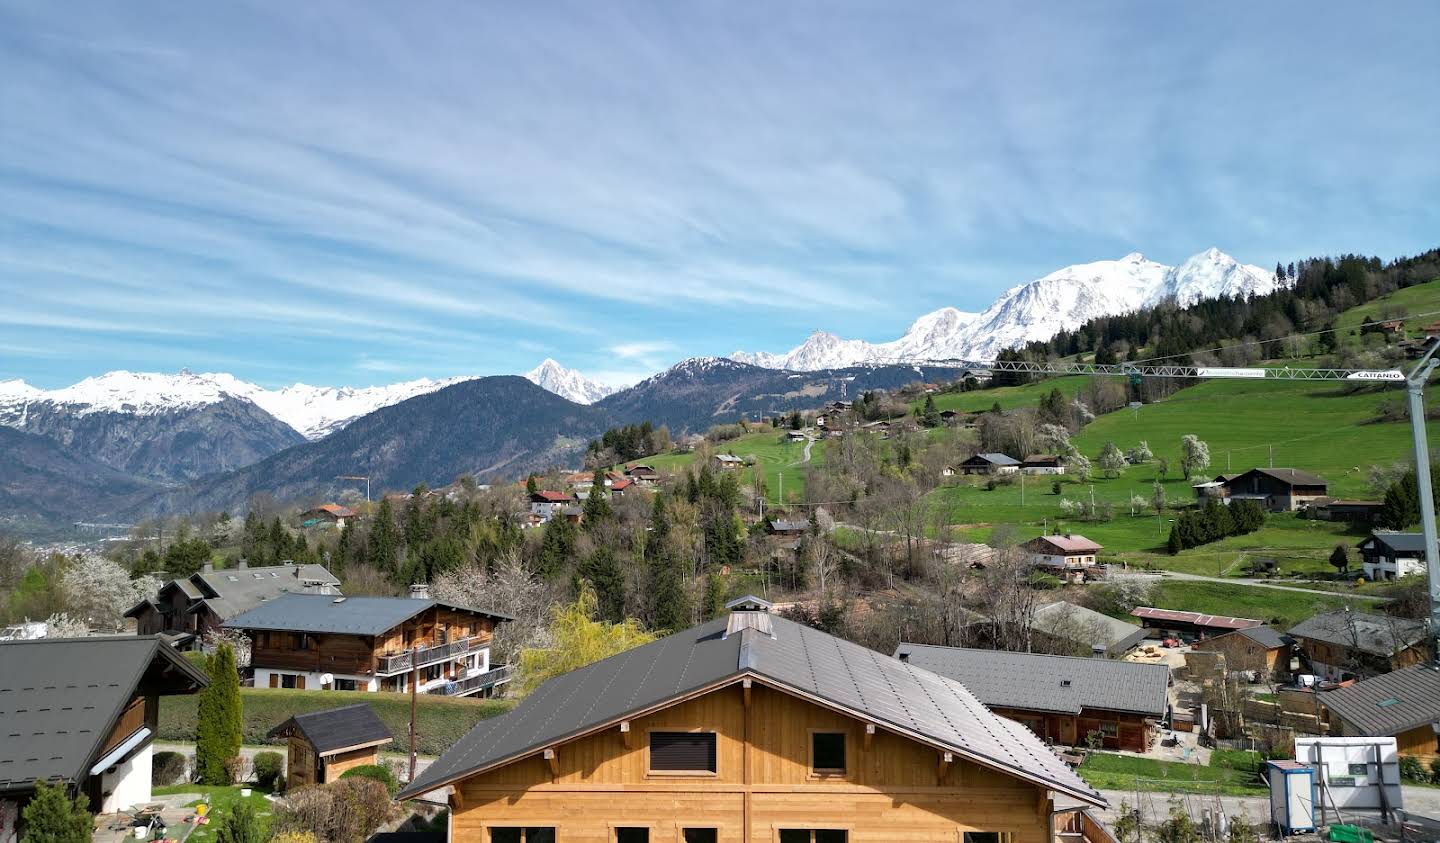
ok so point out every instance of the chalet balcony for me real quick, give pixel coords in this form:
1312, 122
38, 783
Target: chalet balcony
475, 684
425, 656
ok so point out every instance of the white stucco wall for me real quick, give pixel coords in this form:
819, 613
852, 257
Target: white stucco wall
127, 783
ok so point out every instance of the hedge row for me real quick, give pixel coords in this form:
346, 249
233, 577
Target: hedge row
440, 721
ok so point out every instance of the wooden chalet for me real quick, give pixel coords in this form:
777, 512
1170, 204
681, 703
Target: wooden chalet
327, 515
1276, 489
1343, 644
750, 728
990, 464
371, 644
1070, 556
1388, 555
1258, 648
83, 712
727, 462
322, 745
643, 475
545, 502
1349, 510
189, 608
792, 527
1064, 699
1042, 464
1404, 705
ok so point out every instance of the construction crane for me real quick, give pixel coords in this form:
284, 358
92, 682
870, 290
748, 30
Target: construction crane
1414, 382
357, 477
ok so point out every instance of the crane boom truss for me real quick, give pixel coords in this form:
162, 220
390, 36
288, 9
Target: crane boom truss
1173, 370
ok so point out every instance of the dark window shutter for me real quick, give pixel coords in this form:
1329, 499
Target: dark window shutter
632, 835
682, 751
539, 835
829, 750
505, 835
700, 835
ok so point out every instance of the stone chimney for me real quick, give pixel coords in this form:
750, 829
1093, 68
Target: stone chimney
420, 591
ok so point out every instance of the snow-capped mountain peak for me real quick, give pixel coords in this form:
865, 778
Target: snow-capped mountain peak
1036, 310
567, 383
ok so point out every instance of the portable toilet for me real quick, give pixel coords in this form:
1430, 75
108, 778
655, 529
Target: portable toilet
1292, 796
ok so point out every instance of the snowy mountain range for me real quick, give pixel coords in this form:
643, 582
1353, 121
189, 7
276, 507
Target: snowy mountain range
1036, 310
568, 383
313, 411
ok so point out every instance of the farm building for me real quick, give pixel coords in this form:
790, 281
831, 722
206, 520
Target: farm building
187, 609
1404, 705
643, 475
1066, 627
1042, 464
1277, 489
1345, 644
1344, 509
1070, 556
1388, 555
328, 514
728, 462
1190, 626
324, 744
750, 727
1063, 699
787, 526
1258, 648
990, 464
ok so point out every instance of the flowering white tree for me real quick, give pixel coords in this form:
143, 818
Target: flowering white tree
98, 591
63, 626
1194, 454
509, 587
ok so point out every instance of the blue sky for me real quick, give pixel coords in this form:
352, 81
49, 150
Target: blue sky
356, 193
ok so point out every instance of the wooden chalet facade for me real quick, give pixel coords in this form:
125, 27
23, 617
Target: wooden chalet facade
371, 644
730, 733
1403, 705
322, 745
1071, 557
1063, 699
1258, 648
990, 464
1276, 489
1353, 645
188, 608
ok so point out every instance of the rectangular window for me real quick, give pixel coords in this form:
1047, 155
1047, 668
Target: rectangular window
700, 835
522, 835
813, 835
632, 835
287, 680
827, 752
987, 837
682, 752
1359, 769
304, 643
345, 684
1110, 728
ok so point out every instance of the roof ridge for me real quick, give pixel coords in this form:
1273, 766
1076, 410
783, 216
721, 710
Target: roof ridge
947, 648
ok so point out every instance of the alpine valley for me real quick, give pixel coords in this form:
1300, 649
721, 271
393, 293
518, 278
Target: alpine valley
146, 444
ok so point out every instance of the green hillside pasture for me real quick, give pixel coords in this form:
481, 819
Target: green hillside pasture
1281, 609
1008, 397
1421, 298
440, 720
771, 452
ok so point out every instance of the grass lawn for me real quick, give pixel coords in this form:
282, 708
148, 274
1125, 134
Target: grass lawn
1281, 609
772, 453
1230, 772
1008, 397
222, 800
1421, 298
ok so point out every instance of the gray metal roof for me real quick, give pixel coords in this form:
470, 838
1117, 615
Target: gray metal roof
1388, 704
328, 613
1265, 636
338, 728
901, 697
60, 697
1380, 635
996, 459
242, 589
1035, 682
1066, 620
1399, 542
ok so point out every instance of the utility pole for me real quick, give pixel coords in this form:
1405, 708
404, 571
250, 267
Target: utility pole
1272, 456
1022, 488
414, 692
1415, 388
357, 477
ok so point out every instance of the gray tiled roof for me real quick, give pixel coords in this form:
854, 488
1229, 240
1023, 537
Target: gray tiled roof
1380, 635
242, 589
1265, 636
997, 459
338, 728
1399, 542
338, 615
1036, 682
798, 659
1064, 619
1388, 704
60, 697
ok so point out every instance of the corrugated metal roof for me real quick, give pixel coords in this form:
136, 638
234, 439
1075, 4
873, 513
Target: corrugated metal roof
241, 589
1388, 704
59, 699
1037, 682
1400, 542
1380, 635
338, 728
904, 698
340, 615
996, 459
1197, 618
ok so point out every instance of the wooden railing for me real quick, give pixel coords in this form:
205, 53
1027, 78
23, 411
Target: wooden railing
130, 722
411, 659
460, 687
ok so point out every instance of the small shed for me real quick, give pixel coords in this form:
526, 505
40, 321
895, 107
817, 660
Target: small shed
324, 744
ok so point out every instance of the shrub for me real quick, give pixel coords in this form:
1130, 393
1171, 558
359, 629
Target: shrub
241, 824
1412, 770
376, 772
237, 768
1435, 770
167, 768
343, 811
295, 837
269, 770
53, 817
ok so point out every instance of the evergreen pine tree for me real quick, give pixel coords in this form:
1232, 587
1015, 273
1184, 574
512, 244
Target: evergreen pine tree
218, 727
602, 571
930, 415
1340, 558
714, 596
531, 486
557, 548
669, 604
52, 816
383, 549
1174, 544
597, 504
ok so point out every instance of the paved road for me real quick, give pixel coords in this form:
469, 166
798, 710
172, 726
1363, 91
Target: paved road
188, 749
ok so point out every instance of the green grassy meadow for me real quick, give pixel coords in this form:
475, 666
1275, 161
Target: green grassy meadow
1233, 773
774, 456
1421, 298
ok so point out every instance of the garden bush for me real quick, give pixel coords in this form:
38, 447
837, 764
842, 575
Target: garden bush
167, 768
270, 771
1412, 770
343, 811
373, 771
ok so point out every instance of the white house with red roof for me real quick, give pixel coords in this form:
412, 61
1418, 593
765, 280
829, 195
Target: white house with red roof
1070, 556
